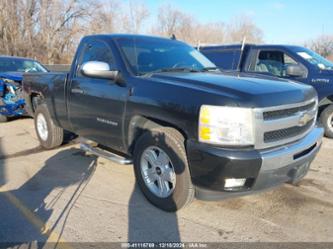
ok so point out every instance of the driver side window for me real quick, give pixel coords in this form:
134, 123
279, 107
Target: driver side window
273, 62
95, 51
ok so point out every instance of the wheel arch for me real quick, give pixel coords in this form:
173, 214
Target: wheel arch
324, 103
29, 101
139, 124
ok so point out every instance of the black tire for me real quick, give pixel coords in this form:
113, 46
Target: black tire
172, 143
3, 119
326, 118
34, 103
55, 134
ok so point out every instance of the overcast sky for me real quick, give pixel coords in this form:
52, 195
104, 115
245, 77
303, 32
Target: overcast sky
282, 21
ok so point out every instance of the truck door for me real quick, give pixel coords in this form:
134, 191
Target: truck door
96, 106
274, 63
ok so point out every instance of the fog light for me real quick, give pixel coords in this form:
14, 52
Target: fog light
233, 182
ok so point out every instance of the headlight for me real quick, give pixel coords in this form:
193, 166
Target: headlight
226, 125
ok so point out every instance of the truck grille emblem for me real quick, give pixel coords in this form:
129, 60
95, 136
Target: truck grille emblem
304, 119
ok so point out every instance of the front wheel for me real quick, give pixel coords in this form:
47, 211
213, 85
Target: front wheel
326, 118
161, 169
3, 119
49, 135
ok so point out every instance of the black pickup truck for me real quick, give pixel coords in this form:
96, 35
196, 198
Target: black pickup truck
188, 129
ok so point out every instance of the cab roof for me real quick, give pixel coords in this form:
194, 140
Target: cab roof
247, 45
117, 36
15, 57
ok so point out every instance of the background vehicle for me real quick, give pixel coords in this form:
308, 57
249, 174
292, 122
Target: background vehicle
11, 74
187, 128
283, 61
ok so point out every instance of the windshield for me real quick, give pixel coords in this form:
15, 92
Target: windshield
152, 55
20, 65
314, 58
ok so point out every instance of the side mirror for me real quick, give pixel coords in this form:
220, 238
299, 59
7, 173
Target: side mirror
295, 71
98, 69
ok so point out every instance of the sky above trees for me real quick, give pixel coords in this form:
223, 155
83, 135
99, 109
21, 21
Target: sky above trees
281, 21
49, 30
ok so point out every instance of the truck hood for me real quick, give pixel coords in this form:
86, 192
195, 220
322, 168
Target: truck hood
247, 91
255, 75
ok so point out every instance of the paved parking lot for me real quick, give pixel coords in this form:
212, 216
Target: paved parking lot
64, 195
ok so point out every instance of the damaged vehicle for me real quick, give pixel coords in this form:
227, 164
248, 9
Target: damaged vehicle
11, 74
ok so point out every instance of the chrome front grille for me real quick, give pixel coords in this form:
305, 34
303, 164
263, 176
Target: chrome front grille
271, 115
281, 134
280, 125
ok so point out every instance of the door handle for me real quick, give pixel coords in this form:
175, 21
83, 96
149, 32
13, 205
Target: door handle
77, 90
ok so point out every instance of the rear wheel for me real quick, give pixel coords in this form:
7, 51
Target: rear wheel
49, 135
326, 118
3, 119
161, 169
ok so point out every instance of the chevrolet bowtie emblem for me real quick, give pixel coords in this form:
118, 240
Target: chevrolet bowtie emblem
304, 119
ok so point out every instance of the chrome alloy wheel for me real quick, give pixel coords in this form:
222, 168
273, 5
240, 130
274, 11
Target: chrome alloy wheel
42, 127
158, 172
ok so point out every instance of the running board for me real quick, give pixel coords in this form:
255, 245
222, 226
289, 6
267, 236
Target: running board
105, 154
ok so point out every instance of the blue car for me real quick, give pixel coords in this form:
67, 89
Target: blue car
11, 74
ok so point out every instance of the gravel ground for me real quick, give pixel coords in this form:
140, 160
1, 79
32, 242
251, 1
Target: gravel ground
63, 195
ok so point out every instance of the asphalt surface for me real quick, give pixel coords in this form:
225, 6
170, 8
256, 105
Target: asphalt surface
63, 195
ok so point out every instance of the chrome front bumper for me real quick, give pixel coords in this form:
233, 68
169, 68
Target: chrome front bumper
289, 163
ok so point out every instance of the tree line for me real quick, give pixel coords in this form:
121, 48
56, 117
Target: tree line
322, 45
49, 30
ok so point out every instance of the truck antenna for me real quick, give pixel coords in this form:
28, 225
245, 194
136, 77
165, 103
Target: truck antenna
243, 43
199, 45
241, 54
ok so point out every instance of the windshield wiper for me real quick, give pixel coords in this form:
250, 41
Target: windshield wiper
173, 69
181, 69
207, 69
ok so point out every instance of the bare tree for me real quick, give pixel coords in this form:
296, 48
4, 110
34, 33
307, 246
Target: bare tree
172, 21
244, 26
104, 19
135, 14
49, 30
40, 28
210, 33
323, 45
59, 22
16, 26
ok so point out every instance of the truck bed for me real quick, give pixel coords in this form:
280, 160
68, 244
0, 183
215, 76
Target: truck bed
51, 86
